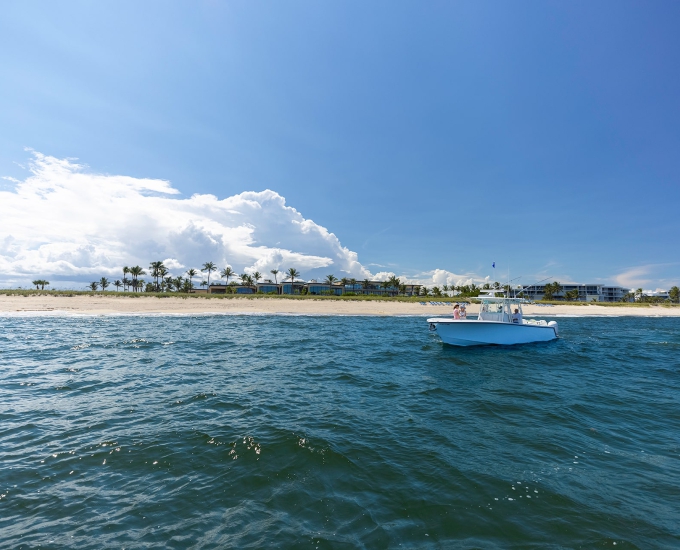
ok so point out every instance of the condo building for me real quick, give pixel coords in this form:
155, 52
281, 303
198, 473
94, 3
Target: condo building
586, 292
375, 288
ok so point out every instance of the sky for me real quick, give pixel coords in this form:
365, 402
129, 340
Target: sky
426, 139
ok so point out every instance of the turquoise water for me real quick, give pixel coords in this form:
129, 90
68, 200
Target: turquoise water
335, 432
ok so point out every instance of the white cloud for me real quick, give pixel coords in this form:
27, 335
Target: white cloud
66, 222
441, 277
635, 277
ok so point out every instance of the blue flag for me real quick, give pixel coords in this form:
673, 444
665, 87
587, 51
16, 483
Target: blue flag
493, 265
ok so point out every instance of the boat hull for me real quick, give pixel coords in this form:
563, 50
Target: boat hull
485, 333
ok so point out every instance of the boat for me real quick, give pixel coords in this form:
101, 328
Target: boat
496, 324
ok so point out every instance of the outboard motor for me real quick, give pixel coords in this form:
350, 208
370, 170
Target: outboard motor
553, 324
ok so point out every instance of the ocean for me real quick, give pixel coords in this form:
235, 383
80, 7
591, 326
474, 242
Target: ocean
277, 431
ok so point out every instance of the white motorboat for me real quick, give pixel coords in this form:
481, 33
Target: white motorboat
497, 323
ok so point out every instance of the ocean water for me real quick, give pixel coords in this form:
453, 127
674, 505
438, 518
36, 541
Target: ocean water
335, 432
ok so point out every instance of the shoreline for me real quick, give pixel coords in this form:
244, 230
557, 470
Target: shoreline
37, 304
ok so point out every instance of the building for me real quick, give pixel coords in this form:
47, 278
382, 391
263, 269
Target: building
412, 290
614, 293
588, 292
268, 288
659, 294
376, 288
294, 287
324, 288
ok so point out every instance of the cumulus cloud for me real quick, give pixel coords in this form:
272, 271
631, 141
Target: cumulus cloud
66, 222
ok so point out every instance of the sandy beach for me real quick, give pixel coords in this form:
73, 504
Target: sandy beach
111, 305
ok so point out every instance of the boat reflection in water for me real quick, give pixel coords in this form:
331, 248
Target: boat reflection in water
500, 322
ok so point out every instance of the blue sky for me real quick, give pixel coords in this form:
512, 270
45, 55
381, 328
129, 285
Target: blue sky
437, 135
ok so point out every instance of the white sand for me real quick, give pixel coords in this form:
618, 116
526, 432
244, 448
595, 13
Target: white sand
106, 305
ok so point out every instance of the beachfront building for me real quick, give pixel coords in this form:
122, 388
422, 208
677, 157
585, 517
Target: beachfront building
314, 287
412, 290
375, 288
614, 294
659, 294
288, 287
589, 292
268, 288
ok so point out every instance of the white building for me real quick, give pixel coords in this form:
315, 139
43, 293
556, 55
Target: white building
588, 292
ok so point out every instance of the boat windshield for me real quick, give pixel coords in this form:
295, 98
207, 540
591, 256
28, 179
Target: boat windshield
498, 309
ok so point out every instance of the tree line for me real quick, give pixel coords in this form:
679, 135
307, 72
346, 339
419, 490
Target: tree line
163, 281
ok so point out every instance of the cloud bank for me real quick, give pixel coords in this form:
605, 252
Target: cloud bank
68, 223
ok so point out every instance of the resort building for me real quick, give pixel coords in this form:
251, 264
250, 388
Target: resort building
324, 288
586, 292
614, 293
312, 287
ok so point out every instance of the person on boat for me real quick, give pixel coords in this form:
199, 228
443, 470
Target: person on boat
456, 311
517, 317
463, 312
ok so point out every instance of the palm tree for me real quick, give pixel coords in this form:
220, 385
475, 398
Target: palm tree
126, 284
117, 284
330, 281
275, 272
551, 289
209, 267
192, 273
94, 286
168, 282
257, 276
155, 268
204, 283
126, 270
639, 293
178, 283
163, 272
395, 282
136, 271
292, 275
104, 282
227, 272
36, 283
246, 280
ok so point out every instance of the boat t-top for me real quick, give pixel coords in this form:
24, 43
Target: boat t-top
500, 322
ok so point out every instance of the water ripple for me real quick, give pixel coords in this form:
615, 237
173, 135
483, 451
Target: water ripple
335, 432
